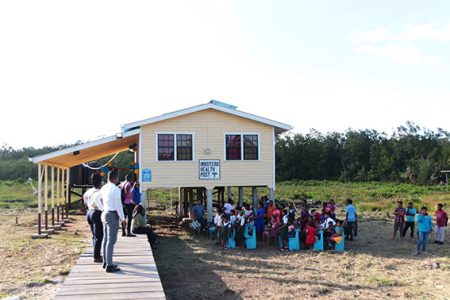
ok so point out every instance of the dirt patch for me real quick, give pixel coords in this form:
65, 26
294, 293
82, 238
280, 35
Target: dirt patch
373, 267
35, 269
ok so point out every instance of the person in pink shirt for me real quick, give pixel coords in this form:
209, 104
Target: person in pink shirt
441, 223
128, 203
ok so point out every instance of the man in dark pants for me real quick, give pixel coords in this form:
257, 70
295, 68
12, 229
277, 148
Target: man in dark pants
350, 219
128, 203
93, 202
410, 220
111, 216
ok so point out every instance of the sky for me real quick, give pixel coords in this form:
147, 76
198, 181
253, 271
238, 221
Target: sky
78, 70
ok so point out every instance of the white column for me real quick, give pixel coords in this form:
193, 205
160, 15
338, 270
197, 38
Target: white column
241, 196
39, 189
271, 194
46, 195
209, 196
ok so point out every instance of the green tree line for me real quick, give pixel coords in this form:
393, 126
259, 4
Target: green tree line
15, 165
410, 154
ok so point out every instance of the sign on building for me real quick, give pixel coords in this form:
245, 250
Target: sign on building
146, 175
209, 169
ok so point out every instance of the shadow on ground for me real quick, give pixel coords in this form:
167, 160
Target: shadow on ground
183, 274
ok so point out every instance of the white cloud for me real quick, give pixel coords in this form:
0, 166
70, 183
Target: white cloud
371, 36
428, 32
406, 54
402, 46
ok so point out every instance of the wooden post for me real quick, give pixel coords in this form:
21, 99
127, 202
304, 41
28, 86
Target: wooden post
53, 195
39, 198
255, 198
63, 194
171, 200
229, 194
185, 202
178, 208
67, 191
46, 195
58, 171
209, 203
191, 202
241, 196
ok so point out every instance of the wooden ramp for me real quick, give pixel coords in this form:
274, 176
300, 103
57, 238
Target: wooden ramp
137, 279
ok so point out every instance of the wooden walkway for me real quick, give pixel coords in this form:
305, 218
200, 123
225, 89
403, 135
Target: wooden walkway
137, 279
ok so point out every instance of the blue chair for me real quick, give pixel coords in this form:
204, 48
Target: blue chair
231, 243
293, 243
250, 240
339, 247
318, 245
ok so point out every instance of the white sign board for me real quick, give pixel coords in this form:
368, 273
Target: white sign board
209, 169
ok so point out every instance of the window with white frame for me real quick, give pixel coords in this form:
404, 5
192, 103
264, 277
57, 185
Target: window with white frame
175, 147
241, 147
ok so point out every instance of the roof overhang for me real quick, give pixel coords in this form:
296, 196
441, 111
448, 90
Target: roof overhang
72, 156
279, 127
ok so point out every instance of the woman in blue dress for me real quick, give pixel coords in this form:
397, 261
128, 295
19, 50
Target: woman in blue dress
259, 220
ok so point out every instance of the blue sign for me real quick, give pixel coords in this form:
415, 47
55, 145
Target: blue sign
146, 175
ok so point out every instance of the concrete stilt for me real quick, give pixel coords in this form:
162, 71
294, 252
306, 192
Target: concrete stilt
209, 196
241, 196
255, 198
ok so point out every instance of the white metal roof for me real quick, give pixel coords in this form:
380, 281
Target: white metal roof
213, 104
103, 147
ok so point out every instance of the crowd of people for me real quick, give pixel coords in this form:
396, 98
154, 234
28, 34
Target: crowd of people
109, 206
275, 220
406, 218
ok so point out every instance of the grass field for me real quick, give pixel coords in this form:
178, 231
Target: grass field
368, 196
34, 269
373, 267
192, 267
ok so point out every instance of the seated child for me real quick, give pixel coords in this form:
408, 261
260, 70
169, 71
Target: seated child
310, 234
328, 234
291, 228
337, 236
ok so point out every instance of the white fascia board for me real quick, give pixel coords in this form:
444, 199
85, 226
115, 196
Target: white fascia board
282, 126
64, 151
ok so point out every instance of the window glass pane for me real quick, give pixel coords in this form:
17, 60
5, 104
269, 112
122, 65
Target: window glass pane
233, 147
184, 147
166, 147
250, 147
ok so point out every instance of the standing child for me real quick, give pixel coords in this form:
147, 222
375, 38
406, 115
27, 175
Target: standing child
425, 227
410, 219
225, 231
284, 233
441, 223
399, 220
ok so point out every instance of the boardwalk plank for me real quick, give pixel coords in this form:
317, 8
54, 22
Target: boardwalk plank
138, 278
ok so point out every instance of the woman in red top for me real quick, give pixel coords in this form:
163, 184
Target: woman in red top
310, 234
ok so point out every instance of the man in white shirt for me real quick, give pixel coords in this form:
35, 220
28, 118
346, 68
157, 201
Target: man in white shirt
93, 201
112, 214
228, 207
328, 220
